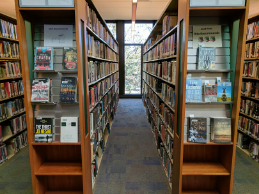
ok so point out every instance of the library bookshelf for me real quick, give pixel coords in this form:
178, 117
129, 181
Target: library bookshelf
9, 134
247, 115
200, 167
64, 167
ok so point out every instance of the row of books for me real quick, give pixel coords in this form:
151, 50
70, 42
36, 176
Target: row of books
251, 146
98, 49
203, 130
251, 69
96, 114
8, 30
97, 91
94, 24
198, 92
11, 89
3, 153
69, 131
250, 108
252, 30
10, 69
15, 125
11, 108
44, 58
250, 89
97, 70
165, 70
9, 50
41, 90
165, 91
249, 126
252, 50
166, 48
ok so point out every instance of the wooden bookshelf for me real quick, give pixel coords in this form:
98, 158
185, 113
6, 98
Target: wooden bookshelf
170, 83
60, 168
161, 59
204, 168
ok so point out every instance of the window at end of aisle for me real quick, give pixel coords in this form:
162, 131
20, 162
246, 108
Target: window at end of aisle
138, 34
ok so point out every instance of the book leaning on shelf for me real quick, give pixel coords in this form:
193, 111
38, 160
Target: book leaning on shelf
9, 50
16, 144
252, 30
43, 129
70, 58
11, 108
8, 30
68, 90
13, 126
43, 58
10, 69
40, 90
252, 50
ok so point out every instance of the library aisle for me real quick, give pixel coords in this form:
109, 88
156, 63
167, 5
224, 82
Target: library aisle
131, 163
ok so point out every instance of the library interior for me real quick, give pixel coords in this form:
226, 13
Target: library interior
129, 97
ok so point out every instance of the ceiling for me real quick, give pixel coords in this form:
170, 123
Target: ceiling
122, 9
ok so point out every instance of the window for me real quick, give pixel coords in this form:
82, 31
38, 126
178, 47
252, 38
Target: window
112, 27
139, 35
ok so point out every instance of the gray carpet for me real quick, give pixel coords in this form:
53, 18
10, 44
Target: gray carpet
131, 163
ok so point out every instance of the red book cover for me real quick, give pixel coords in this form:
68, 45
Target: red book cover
7, 89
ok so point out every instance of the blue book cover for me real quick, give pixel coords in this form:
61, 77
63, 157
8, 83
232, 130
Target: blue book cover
224, 91
43, 58
193, 90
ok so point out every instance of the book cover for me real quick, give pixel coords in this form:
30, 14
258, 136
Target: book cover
68, 90
193, 90
197, 132
224, 91
40, 90
210, 93
69, 129
206, 58
70, 58
43, 58
43, 129
221, 130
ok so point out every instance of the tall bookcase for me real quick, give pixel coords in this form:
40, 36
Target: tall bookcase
8, 133
63, 167
206, 167
248, 118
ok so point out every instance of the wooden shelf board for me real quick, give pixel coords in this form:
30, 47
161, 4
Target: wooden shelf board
64, 192
9, 137
54, 143
159, 78
257, 99
244, 132
8, 39
59, 168
10, 78
19, 114
162, 59
251, 78
216, 8
101, 59
246, 151
248, 116
203, 168
48, 8
253, 39
9, 59
251, 59
95, 82
11, 98
208, 143
199, 192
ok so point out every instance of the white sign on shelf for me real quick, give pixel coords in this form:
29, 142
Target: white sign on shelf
207, 36
216, 3
46, 3
58, 35
61, 2
32, 2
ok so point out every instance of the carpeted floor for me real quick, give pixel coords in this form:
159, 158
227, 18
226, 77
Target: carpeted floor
130, 163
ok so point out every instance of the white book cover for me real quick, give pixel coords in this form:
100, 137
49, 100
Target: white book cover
69, 129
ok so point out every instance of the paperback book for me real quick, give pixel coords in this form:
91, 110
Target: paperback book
224, 91
40, 90
70, 58
193, 90
43, 129
207, 58
197, 132
43, 58
210, 93
221, 130
68, 90
69, 129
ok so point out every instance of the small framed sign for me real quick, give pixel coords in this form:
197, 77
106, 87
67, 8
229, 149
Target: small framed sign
46, 3
217, 3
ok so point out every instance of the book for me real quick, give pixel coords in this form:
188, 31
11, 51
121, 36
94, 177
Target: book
68, 90
224, 91
70, 59
210, 93
69, 129
40, 90
197, 131
206, 58
193, 90
43, 58
43, 129
221, 130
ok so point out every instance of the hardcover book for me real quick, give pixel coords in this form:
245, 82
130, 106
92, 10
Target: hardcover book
68, 90
224, 91
40, 90
221, 130
43, 129
206, 58
210, 93
70, 59
43, 58
197, 132
193, 90
69, 129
